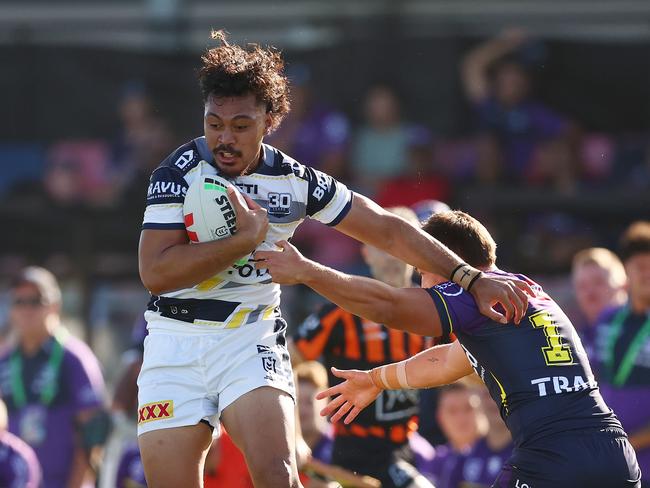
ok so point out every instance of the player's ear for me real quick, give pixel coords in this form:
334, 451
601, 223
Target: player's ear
268, 123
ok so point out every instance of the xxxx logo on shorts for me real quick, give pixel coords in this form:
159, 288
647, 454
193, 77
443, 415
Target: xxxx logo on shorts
156, 411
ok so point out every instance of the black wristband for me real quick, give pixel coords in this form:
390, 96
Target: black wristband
478, 275
451, 277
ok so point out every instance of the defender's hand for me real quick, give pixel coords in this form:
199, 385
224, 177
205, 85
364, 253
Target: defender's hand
354, 394
287, 267
252, 221
511, 293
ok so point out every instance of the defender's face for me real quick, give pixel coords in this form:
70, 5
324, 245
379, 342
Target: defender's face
234, 128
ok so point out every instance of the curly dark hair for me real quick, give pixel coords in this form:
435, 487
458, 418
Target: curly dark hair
230, 70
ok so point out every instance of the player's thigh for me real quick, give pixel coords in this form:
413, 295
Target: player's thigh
262, 424
174, 457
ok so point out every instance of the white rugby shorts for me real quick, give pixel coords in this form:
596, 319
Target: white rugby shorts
192, 375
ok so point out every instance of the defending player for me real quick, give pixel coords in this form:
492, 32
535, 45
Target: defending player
538, 372
216, 345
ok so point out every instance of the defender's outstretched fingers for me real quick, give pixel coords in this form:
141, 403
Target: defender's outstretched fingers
523, 301
330, 392
332, 406
352, 415
347, 406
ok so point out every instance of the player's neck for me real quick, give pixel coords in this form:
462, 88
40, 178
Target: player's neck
498, 438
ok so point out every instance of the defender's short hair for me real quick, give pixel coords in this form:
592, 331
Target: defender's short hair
464, 235
312, 372
232, 71
603, 258
635, 240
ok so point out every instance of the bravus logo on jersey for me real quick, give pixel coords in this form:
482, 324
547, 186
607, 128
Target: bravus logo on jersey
156, 411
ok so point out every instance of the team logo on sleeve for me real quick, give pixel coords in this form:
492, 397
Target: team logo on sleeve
155, 411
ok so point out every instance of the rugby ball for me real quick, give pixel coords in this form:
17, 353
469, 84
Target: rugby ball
207, 210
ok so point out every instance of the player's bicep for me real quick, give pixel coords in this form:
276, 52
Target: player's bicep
458, 365
411, 310
367, 222
153, 243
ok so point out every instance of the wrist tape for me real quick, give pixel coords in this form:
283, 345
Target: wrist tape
390, 376
465, 275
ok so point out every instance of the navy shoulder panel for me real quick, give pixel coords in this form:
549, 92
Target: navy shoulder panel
183, 159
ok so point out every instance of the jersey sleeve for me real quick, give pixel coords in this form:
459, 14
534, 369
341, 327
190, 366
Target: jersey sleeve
314, 335
328, 200
457, 309
165, 196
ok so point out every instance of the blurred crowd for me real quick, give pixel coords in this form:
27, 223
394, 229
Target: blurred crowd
65, 426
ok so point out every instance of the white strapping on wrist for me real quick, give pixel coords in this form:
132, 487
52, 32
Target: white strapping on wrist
401, 376
382, 376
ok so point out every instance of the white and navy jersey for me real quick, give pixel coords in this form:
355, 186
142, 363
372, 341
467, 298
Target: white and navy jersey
288, 190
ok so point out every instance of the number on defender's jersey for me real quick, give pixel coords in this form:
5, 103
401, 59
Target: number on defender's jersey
557, 352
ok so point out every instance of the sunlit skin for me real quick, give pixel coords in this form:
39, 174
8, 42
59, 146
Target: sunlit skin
596, 288
234, 128
638, 275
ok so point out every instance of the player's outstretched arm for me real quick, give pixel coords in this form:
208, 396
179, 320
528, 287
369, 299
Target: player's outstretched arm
409, 309
167, 260
436, 366
368, 222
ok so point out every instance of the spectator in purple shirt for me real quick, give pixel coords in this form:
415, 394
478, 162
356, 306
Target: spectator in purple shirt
520, 138
52, 384
623, 354
599, 282
19, 467
463, 424
130, 472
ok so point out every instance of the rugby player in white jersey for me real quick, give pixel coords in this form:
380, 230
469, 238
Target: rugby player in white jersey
216, 348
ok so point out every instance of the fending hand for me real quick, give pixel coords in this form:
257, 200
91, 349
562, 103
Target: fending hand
350, 397
286, 267
509, 292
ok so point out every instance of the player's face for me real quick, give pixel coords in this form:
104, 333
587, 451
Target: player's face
234, 128
595, 289
638, 275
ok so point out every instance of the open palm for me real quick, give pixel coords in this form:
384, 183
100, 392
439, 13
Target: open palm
350, 397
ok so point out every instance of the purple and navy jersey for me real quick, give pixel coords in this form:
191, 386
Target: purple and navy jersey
19, 466
537, 372
130, 472
51, 430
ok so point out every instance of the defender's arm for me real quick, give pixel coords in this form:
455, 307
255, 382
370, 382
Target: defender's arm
409, 309
436, 366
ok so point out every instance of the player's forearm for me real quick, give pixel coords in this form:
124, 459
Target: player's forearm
421, 250
185, 265
360, 296
427, 369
